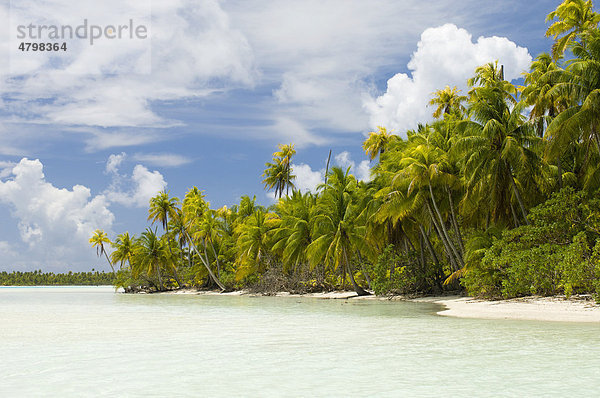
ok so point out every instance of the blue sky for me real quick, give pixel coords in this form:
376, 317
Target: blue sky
206, 98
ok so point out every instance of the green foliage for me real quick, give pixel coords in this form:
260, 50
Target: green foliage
550, 256
39, 278
391, 275
490, 168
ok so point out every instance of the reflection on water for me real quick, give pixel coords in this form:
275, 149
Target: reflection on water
91, 341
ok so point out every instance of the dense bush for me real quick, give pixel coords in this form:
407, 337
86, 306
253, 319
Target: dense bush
558, 252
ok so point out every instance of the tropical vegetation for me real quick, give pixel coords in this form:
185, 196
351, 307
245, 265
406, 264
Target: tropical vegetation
499, 196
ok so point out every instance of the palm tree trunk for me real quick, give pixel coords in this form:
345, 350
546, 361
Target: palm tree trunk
213, 277
514, 214
559, 166
364, 271
359, 290
109, 263
461, 245
518, 196
442, 238
160, 284
216, 259
444, 230
429, 246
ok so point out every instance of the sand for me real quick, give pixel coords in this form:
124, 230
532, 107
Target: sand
556, 309
559, 309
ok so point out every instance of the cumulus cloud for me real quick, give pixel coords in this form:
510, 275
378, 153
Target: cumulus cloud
362, 171
307, 179
135, 190
6, 168
446, 55
54, 223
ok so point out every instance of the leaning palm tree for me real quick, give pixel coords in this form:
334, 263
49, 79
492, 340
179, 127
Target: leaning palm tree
193, 211
98, 239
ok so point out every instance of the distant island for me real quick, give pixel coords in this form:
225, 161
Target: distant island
39, 278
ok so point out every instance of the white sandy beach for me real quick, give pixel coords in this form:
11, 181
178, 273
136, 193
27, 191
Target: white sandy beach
528, 308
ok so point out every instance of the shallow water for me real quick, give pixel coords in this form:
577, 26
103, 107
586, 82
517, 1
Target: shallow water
92, 342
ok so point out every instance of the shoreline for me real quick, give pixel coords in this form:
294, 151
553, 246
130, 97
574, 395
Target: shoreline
532, 308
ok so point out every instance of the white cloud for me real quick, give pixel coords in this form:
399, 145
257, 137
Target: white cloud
162, 159
191, 47
114, 162
54, 223
6, 251
362, 172
307, 179
142, 185
446, 55
6, 168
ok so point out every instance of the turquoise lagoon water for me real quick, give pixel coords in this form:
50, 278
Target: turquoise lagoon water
94, 342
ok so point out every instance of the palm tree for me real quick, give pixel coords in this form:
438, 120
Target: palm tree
98, 239
162, 209
193, 209
574, 18
377, 142
423, 167
546, 103
497, 144
123, 245
580, 122
253, 242
150, 255
337, 232
448, 102
293, 232
278, 175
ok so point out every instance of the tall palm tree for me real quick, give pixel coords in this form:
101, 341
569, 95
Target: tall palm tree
253, 242
580, 122
337, 232
574, 18
293, 231
162, 209
498, 145
98, 239
151, 254
377, 142
278, 174
123, 245
545, 102
423, 168
193, 210
448, 101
